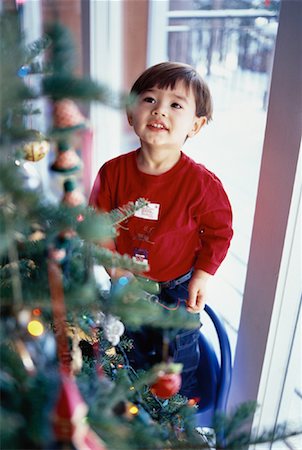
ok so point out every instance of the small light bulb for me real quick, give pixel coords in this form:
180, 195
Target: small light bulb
111, 351
133, 410
35, 328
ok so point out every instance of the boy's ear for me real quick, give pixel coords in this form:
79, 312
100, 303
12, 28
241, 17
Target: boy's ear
199, 122
129, 117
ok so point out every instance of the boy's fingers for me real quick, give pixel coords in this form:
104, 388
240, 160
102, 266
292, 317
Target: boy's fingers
195, 302
191, 302
200, 302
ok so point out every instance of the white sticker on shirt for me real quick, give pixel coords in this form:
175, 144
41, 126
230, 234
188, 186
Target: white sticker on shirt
151, 212
139, 259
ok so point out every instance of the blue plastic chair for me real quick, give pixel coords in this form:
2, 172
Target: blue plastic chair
214, 373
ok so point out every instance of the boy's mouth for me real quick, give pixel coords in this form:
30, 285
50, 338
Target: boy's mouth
157, 125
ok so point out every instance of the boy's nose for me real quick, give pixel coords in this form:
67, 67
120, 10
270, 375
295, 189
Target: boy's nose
159, 110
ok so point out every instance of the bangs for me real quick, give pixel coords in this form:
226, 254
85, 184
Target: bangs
163, 77
167, 74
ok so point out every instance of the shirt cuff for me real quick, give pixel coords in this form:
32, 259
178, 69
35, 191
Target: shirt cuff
208, 267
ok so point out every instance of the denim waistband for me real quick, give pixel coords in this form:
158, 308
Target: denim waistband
173, 283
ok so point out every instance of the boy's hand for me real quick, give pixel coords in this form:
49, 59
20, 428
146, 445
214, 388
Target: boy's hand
116, 273
197, 291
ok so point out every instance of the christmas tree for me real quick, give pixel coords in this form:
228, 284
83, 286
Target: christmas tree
65, 377
64, 367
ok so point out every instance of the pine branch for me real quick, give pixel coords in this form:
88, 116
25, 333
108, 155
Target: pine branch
62, 52
39, 68
35, 48
109, 259
238, 418
231, 427
67, 86
124, 212
135, 309
13, 90
280, 433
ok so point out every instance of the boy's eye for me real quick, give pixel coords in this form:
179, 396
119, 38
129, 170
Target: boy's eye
149, 100
176, 105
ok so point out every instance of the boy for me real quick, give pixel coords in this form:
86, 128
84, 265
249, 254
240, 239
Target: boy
184, 233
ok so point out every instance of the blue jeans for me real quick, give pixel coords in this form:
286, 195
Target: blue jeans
183, 346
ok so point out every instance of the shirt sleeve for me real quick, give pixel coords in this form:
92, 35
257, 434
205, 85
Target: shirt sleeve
215, 221
100, 196
101, 199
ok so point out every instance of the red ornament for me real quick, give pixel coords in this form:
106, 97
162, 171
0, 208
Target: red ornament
67, 160
57, 254
59, 315
166, 385
67, 115
73, 197
69, 419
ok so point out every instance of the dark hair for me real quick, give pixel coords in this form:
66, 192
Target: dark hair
167, 74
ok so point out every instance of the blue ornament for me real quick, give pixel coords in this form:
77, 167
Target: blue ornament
23, 71
123, 281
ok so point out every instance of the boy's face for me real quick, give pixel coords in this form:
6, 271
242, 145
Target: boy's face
164, 118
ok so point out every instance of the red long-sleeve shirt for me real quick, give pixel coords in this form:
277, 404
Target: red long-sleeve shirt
188, 223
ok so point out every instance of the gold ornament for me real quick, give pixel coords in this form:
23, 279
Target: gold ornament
35, 150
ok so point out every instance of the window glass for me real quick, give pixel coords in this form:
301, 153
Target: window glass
231, 43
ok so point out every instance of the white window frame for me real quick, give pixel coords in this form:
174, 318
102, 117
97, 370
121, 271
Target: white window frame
157, 32
282, 370
105, 67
